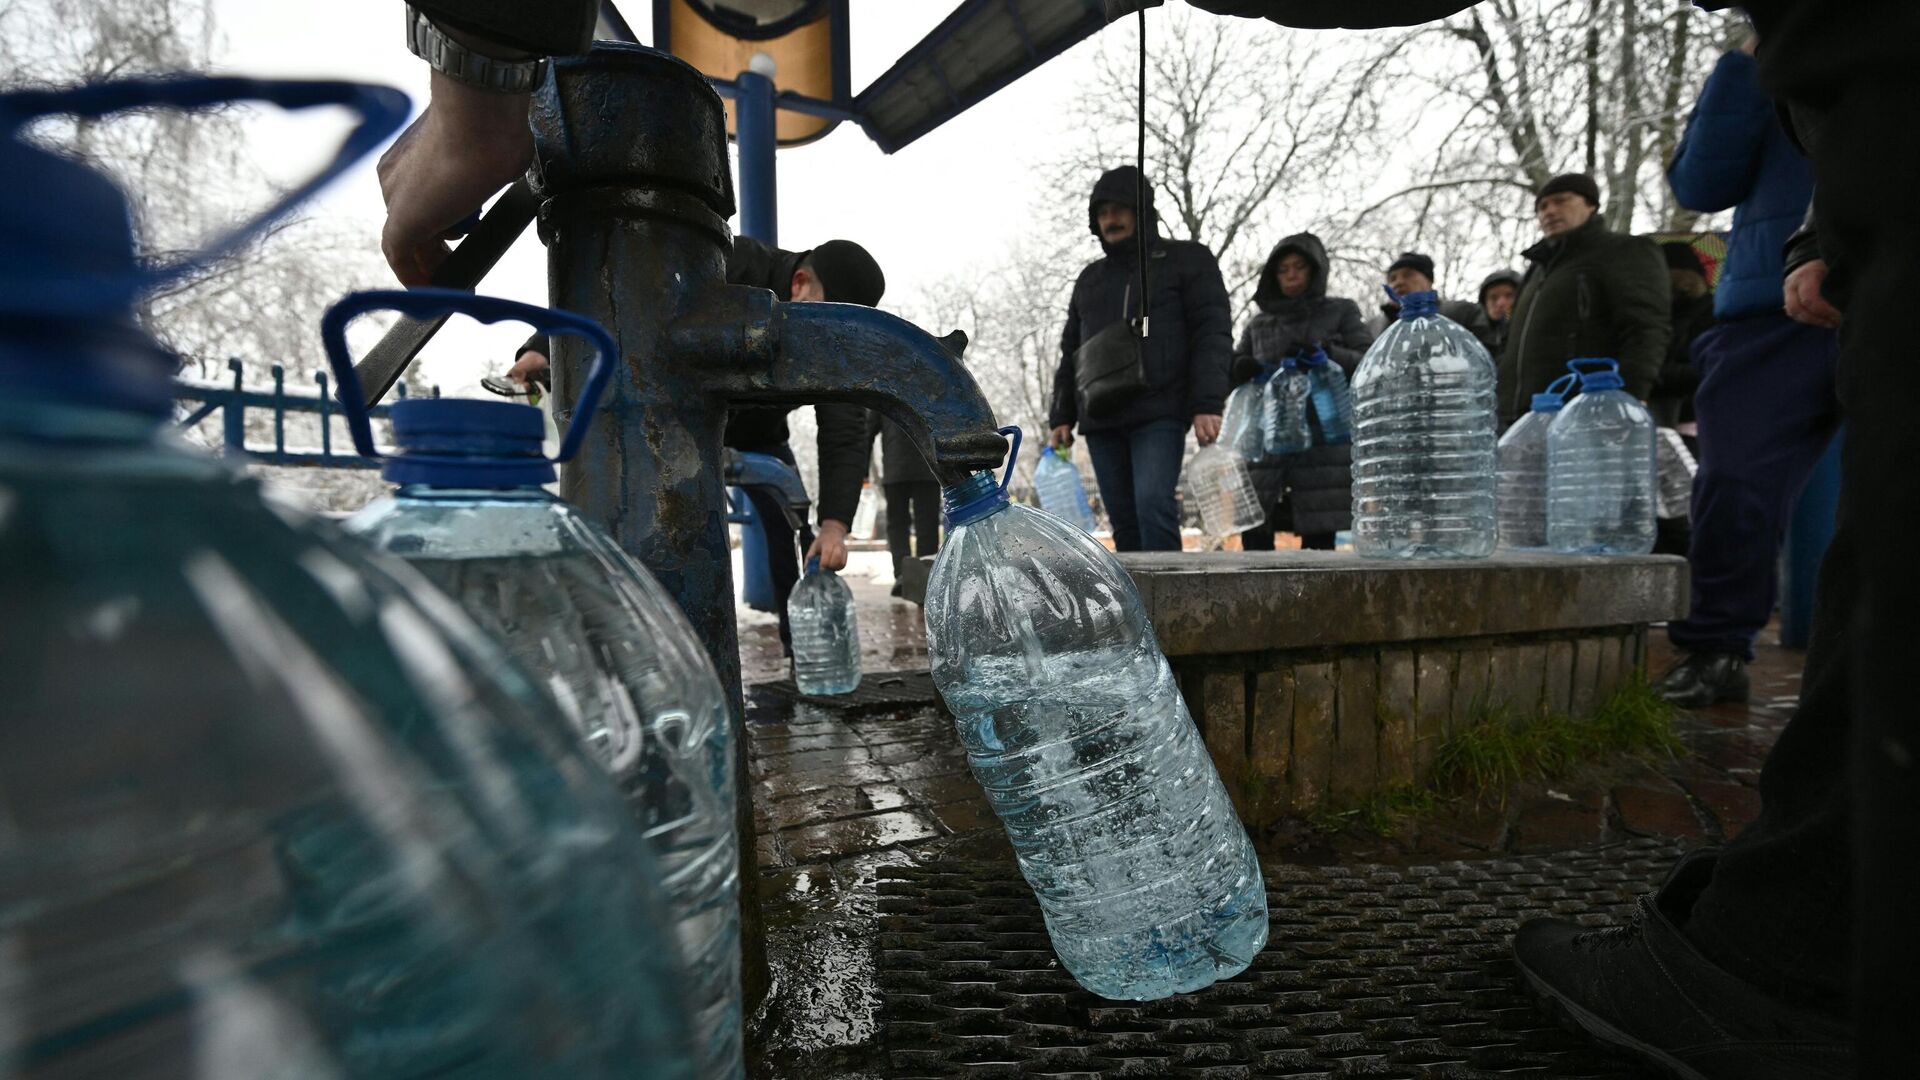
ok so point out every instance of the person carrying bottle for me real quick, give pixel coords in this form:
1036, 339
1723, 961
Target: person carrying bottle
1412, 272
1136, 413
1309, 492
1766, 401
1589, 291
913, 495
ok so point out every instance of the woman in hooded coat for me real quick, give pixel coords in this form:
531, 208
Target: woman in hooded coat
1309, 492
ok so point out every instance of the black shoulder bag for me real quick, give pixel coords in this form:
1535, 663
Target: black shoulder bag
1110, 367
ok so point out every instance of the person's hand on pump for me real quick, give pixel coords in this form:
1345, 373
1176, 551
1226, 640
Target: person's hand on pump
1062, 436
830, 545
531, 363
1804, 301
1206, 428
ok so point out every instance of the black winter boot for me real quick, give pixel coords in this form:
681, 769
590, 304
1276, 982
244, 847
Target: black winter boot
1704, 679
1644, 992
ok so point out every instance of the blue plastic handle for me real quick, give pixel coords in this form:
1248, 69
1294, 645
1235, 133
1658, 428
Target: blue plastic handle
381, 109
432, 303
1013, 455
1593, 366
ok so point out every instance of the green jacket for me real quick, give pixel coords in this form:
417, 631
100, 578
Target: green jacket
1590, 293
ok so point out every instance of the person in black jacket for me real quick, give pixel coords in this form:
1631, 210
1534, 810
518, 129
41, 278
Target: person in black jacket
1137, 443
1310, 492
913, 495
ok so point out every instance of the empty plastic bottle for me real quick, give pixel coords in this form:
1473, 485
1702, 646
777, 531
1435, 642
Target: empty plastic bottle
1075, 727
1284, 421
1332, 399
274, 806
1600, 468
1423, 448
1241, 428
1522, 467
826, 633
632, 678
1062, 493
1677, 470
1221, 489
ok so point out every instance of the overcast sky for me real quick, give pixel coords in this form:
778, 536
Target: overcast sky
954, 198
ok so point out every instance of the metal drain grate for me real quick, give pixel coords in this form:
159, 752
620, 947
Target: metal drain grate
879, 691
1369, 972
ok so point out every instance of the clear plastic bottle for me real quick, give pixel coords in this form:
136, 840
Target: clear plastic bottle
630, 675
1284, 420
1522, 468
1677, 470
826, 633
1075, 727
1062, 493
1423, 449
1241, 426
274, 806
1222, 491
1332, 399
1600, 468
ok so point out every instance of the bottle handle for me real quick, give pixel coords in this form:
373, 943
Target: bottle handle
381, 111
1013, 455
1592, 366
431, 303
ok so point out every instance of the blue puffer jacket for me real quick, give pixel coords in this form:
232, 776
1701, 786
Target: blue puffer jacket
1736, 154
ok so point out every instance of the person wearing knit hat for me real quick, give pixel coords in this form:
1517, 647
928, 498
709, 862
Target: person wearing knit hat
1572, 184
1412, 272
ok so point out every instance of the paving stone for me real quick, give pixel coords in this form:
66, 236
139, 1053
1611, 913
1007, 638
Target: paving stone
1651, 811
1316, 691
1397, 710
933, 790
1355, 770
771, 746
853, 836
959, 817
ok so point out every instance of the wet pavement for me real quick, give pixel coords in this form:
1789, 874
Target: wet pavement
850, 803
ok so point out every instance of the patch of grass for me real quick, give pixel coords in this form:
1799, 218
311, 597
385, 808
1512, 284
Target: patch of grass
1382, 813
1496, 751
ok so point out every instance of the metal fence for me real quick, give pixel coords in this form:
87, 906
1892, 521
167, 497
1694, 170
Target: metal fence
234, 402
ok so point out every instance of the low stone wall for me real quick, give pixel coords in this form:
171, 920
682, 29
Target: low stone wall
1318, 679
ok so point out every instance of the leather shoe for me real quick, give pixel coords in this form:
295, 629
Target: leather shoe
1703, 679
1644, 992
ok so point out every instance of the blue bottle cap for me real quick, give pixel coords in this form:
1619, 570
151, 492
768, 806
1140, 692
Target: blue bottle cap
980, 495
1415, 304
460, 443
1597, 373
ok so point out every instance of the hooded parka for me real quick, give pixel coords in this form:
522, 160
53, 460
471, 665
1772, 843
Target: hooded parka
1311, 491
1190, 339
1493, 334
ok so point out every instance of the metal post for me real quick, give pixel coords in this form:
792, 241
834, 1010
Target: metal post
234, 415
754, 134
1809, 532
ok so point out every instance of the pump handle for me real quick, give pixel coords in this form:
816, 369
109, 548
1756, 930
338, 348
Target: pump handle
434, 303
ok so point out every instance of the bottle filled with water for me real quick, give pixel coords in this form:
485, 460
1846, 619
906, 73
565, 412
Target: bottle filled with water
1074, 725
1600, 468
826, 633
1287, 402
1332, 399
1241, 428
274, 806
1423, 449
1522, 468
1221, 489
1062, 493
617, 654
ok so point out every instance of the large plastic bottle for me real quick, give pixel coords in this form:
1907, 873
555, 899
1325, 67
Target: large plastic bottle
1062, 493
1332, 399
584, 618
1522, 468
1600, 468
1423, 448
1222, 491
273, 806
1075, 727
1288, 401
826, 633
1241, 428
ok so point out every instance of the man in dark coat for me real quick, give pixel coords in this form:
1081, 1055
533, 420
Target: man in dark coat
1412, 272
1137, 446
913, 495
1493, 314
1310, 492
1589, 292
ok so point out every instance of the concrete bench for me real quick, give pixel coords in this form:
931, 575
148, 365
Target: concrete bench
1319, 678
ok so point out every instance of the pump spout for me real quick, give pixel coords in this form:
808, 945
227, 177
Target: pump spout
770, 353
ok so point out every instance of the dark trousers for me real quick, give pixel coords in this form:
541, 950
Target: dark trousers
1138, 469
1767, 410
1817, 898
783, 551
913, 513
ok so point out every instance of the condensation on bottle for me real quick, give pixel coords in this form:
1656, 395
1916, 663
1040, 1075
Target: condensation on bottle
1522, 469
1062, 493
1241, 429
826, 633
1287, 403
1074, 724
1423, 449
1601, 490
1332, 400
